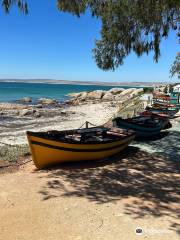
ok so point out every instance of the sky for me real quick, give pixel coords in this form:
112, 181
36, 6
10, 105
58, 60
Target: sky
49, 44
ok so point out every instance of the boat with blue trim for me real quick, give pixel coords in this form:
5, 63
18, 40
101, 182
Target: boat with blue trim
144, 126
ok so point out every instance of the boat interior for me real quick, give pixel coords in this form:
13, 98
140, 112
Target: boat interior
84, 135
145, 121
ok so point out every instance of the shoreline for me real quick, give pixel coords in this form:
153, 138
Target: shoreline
13, 128
96, 83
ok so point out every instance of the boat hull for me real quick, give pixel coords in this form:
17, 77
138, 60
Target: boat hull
163, 118
168, 112
49, 152
141, 131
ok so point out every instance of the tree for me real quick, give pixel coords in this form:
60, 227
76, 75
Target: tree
21, 4
127, 25
175, 68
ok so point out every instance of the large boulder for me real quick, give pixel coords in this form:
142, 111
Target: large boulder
37, 114
47, 101
25, 100
98, 94
124, 95
127, 91
83, 96
26, 112
136, 92
108, 97
115, 91
74, 95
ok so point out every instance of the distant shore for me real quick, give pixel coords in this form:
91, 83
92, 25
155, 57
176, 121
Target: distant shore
98, 83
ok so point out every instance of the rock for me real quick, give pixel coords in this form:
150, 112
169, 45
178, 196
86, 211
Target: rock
74, 95
63, 112
124, 95
25, 99
39, 106
12, 106
98, 94
115, 91
26, 112
108, 96
83, 96
69, 101
127, 91
37, 114
47, 101
136, 92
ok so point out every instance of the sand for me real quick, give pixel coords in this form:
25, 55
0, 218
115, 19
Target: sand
13, 129
105, 200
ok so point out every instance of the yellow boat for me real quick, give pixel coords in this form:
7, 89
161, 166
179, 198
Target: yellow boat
54, 147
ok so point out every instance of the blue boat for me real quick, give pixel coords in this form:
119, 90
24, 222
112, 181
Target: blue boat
144, 127
175, 99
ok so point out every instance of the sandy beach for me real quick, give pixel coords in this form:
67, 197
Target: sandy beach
13, 126
137, 188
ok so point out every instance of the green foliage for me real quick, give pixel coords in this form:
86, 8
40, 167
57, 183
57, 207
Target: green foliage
127, 25
169, 88
175, 68
21, 4
12, 153
148, 89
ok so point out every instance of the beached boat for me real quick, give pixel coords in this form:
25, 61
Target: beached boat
144, 126
54, 147
163, 110
164, 118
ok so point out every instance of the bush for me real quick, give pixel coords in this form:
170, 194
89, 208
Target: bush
12, 153
148, 89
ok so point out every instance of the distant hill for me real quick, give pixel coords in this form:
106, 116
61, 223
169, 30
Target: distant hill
53, 81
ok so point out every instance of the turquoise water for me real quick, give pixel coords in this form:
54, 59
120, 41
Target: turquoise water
11, 91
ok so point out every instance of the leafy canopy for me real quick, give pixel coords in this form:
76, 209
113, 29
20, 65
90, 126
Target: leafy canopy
175, 68
22, 5
127, 25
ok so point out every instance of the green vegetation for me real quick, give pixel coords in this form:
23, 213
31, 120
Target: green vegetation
12, 153
148, 89
175, 69
127, 25
169, 88
21, 4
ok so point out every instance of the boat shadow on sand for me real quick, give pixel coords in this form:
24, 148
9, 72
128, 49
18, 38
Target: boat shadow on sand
149, 182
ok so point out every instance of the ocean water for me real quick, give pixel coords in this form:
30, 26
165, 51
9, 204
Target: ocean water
12, 91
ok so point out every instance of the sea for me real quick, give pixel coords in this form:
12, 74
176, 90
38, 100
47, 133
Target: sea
13, 91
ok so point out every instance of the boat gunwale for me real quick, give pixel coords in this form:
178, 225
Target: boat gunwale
38, 135
136, 127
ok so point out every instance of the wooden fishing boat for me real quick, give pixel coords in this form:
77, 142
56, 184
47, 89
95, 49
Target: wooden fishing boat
54, 147
144, 126
160, 110
163, 105
164, 118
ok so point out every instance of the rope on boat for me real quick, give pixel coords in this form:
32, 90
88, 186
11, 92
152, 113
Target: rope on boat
87, 124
